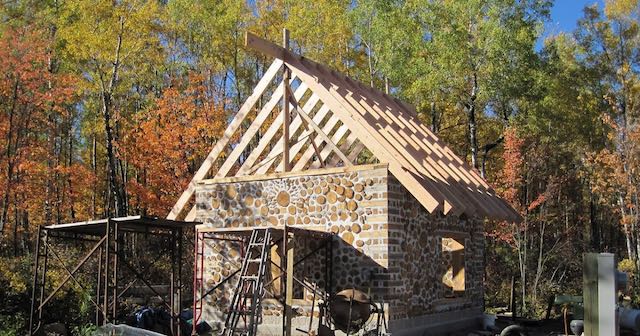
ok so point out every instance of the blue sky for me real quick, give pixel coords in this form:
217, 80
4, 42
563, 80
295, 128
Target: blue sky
564, 17
565, 14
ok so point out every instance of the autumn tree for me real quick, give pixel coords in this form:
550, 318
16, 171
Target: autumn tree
611, 43
115, 46
31, 97
168, 141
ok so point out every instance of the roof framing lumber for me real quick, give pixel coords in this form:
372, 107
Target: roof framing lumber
350, 116
265, 140
309, 122
204, 169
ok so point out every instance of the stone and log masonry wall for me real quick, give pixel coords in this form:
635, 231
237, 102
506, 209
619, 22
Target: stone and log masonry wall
389, 245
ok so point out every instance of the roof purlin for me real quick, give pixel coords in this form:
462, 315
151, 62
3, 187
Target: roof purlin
454, 191
391, 130
478, 198
338, 105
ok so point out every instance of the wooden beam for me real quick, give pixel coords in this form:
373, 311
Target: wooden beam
254, 42
266, 138
313, 143
248, 134
265, 164
326, 139
449, 178
339, 106
226, 137
328, 126
326, 151
353, 154
286, 116
290, 266
399, 115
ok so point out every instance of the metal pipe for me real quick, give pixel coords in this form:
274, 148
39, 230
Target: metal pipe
98, 285
117, 245
171, 284
179, 280
106, 272
35, 280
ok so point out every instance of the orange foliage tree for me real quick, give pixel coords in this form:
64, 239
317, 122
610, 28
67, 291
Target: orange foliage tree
34, 101
169, 141
530, 182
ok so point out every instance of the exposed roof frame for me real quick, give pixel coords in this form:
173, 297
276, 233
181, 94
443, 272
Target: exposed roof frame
339, 117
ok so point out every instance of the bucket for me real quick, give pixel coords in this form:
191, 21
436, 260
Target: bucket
489, 321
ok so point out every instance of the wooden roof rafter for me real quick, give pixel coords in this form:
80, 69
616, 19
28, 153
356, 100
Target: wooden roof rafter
330, 127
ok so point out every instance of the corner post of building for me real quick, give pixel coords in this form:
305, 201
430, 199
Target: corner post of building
286, 162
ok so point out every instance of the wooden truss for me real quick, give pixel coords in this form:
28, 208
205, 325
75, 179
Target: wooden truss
313, 117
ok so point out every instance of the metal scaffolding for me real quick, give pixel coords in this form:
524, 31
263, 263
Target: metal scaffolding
115, 272
289, 261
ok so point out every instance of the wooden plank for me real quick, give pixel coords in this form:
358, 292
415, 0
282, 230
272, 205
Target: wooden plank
266, 138
355, 152
328, 126
248, 134
326, 151
340, 107
488, 206
226, 137
324, 136
297, 122
191, 215
391, 104
457, 205
308, 172
313, 143
286, 115
349, 141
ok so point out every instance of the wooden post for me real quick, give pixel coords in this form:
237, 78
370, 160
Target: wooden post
289, 283
512, 299
286, 164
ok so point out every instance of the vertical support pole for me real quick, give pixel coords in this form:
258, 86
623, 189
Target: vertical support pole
105, 301
35, 281
286, 164
43, 277
117, 244
599, 294
172, 303
330, 286
283, 280
99, 285
512, 299
179, 280
198, 259
289, 283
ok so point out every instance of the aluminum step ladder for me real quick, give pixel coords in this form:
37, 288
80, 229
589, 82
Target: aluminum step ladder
249, 290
